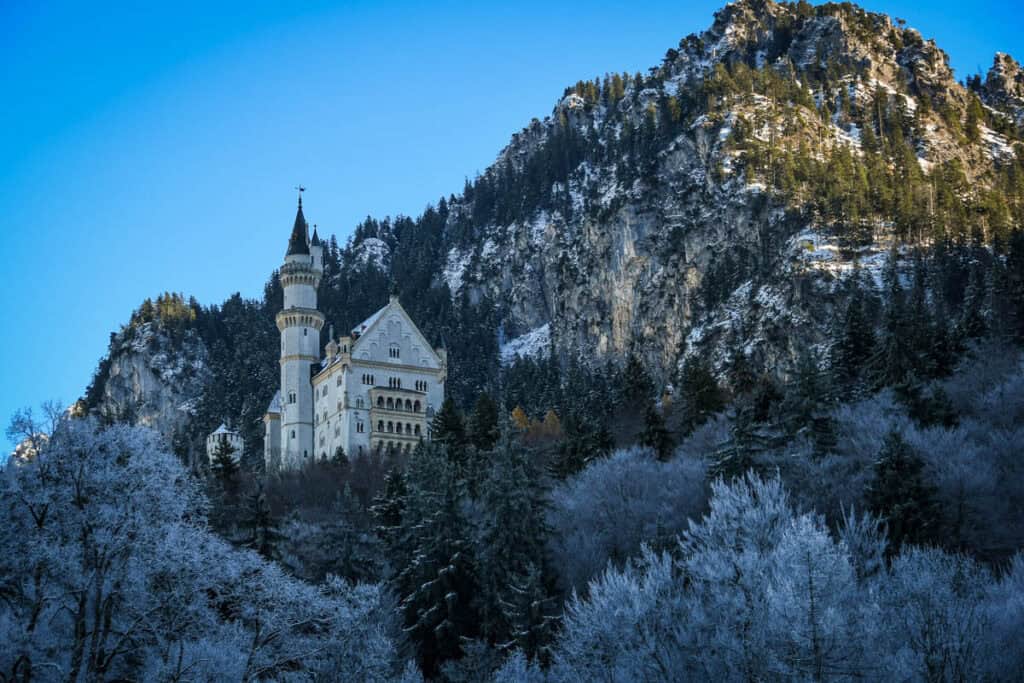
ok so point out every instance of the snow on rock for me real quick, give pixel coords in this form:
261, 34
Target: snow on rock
533, 344
455, 269
373, 251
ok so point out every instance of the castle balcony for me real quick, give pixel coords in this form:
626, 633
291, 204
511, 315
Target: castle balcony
398, 401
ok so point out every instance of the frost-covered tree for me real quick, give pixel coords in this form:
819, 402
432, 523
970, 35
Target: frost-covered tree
109, 572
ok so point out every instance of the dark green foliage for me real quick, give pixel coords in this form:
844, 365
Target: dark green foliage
436, 582
700, 394
585, 439
856, 343
483, 423
224, 466
739, 454
637, 386
655, 435
510, 541
447, 427
901, 496
261, 527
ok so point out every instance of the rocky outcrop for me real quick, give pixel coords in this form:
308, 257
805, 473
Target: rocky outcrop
154, 378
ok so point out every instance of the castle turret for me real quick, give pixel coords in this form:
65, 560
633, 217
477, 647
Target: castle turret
299, 323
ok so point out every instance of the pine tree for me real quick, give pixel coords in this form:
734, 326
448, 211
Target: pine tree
263, 535
655, 435
447, 427
532, 614
701, 395
900, 495
637, 387
511, 537
856, 343
483, 423
225, 467
437, 583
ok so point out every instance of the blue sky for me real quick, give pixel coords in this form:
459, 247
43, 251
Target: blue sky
145, 149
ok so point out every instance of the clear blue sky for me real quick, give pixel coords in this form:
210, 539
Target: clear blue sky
145, 149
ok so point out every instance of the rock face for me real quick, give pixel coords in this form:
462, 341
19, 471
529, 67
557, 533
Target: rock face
1004, 86
621, 267
154, 378
654, 214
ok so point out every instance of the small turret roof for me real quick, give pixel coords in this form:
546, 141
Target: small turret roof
298, 243
223, 429
275, 403
315, 242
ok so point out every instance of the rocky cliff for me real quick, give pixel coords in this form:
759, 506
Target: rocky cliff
719, 201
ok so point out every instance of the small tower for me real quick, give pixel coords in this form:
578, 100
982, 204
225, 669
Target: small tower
222, 437
299, 323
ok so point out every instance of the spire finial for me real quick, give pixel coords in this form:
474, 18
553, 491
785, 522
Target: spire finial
301, 189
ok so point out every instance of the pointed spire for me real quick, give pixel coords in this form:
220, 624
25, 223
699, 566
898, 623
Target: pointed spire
298, 243
315, 242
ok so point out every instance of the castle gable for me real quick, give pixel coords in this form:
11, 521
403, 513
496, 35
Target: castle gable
390, 336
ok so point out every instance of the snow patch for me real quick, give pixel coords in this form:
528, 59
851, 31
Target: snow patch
533, 344
455, 269
373, 251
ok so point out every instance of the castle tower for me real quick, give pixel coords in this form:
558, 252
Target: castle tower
299, 323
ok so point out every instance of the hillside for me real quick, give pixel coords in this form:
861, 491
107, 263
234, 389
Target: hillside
718, 202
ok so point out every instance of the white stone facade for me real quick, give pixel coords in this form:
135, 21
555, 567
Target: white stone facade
223, 435
376, 388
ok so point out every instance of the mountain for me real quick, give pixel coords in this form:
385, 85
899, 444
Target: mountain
719, 204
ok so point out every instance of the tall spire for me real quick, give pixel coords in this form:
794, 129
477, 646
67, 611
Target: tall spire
298, 243
315, 242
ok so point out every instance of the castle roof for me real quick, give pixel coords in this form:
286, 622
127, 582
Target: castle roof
223, 429
315, 242
275, 403
298, 243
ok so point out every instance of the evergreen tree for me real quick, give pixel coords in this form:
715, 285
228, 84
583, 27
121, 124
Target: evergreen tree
437, 583
901, 497
448, 428
856, 342
511, 538
483, 423
225, 467
263, 535
532, 614
701, 395
637, 387
655, 435
585, 439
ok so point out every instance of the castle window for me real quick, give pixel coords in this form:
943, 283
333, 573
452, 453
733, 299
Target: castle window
293, 433
380, 401
408, 428
359, 427
408, 404
337, 430
305, 331
416, 407
416, 430
339, 406
359, 402
394, 351
338, 382
391, 404
380, 425
391, 427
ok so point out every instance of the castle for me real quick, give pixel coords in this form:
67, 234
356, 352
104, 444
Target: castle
374, 389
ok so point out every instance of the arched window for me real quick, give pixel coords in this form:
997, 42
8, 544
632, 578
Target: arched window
408, 404
416, 407
416, 431
391, 404
391, 427
394, 351
293, 433
359, 402
305, 331
380, 425
380, 401
408, 429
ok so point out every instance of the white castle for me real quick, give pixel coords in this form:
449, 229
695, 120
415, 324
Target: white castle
374, 389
